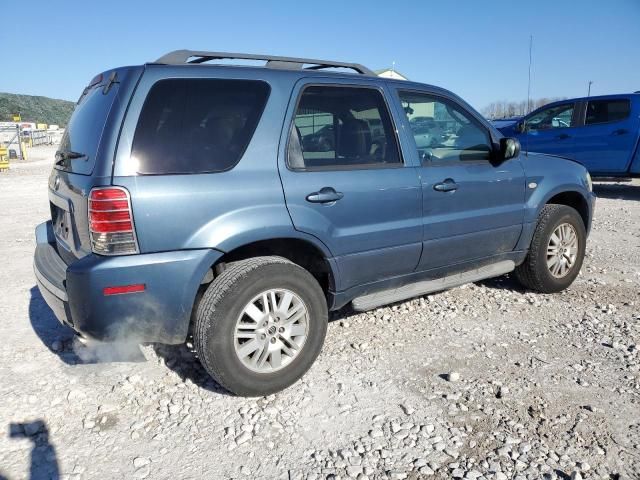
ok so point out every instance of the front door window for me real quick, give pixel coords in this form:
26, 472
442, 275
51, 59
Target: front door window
558, 116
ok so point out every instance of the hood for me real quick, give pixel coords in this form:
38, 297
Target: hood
506, 124
536, 155
503, 122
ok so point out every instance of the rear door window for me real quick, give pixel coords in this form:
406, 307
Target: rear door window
606, 111
339, 127
197, 125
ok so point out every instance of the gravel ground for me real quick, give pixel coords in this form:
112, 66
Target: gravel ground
486, 381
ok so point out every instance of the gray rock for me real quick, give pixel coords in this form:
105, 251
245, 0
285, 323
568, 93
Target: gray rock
354, 470
139, 462
75, 395
452, 376
407, 409
143, 472
244, 437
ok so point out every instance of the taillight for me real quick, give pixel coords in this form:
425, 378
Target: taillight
111, 222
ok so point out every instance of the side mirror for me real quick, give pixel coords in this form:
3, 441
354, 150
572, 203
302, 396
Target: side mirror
520, 126
509, 148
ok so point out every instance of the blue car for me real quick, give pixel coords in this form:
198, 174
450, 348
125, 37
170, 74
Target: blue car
600, 132
241, 204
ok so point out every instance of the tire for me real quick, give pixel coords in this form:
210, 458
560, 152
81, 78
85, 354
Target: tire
534, 273
222, 309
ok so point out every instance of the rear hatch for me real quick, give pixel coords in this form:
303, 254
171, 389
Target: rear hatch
85, 157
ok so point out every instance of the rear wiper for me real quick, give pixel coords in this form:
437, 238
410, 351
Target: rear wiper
61, 156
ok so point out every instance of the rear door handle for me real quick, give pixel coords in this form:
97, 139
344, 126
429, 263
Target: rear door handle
448, 185
563, 136
325, 195
620, 131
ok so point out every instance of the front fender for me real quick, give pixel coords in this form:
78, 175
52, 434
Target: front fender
547, 177
539, 198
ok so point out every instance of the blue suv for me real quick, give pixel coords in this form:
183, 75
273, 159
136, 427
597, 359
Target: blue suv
239, 204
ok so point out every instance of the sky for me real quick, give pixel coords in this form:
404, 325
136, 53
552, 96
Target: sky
477, 49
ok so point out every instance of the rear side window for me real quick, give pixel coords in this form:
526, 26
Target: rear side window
342, 127
605, 111
197, 125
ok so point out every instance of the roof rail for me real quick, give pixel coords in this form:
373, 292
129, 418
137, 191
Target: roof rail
180, 57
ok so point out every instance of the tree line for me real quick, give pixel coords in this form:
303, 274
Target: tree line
506, 109
35, 109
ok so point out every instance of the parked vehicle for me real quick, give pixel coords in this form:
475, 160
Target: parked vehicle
184, 199
601, 132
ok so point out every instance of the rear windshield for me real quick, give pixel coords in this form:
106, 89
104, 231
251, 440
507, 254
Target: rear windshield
197, 125
84, 131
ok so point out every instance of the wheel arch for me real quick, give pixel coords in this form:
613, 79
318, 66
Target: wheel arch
310, 255
569, 195
575, 200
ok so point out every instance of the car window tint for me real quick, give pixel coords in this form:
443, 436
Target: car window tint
604, 111
342, 127
444, 131
559, 116
197, 125
84, 131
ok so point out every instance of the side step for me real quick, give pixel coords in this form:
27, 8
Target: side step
374, 300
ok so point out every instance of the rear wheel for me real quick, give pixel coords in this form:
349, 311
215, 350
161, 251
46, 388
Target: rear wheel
260, 325
557, 250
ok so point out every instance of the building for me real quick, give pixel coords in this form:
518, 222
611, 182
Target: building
390, 73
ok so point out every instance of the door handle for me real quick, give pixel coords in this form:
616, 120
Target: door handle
448, 185
563, 136
620, 131
325, 195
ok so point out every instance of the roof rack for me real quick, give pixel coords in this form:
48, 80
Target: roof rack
190, 57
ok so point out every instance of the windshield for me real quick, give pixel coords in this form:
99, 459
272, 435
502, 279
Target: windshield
79, 145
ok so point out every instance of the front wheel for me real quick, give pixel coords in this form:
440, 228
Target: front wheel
557, 250
260, 325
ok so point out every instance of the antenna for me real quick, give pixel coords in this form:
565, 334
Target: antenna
529, 82
524, 124
589, 89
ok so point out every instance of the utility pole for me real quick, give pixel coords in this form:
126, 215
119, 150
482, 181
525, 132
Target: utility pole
19, 141
589, 89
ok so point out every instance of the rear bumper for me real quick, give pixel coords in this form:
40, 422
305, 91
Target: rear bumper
160, 313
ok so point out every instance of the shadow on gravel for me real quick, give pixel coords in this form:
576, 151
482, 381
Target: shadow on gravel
44, 461
183, 360
51, 332
504, 282
617, 191
62, 340
343, 314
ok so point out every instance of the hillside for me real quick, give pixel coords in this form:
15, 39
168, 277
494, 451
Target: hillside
35, 109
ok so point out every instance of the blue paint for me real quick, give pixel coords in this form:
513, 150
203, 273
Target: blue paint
389, 227
605, 149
